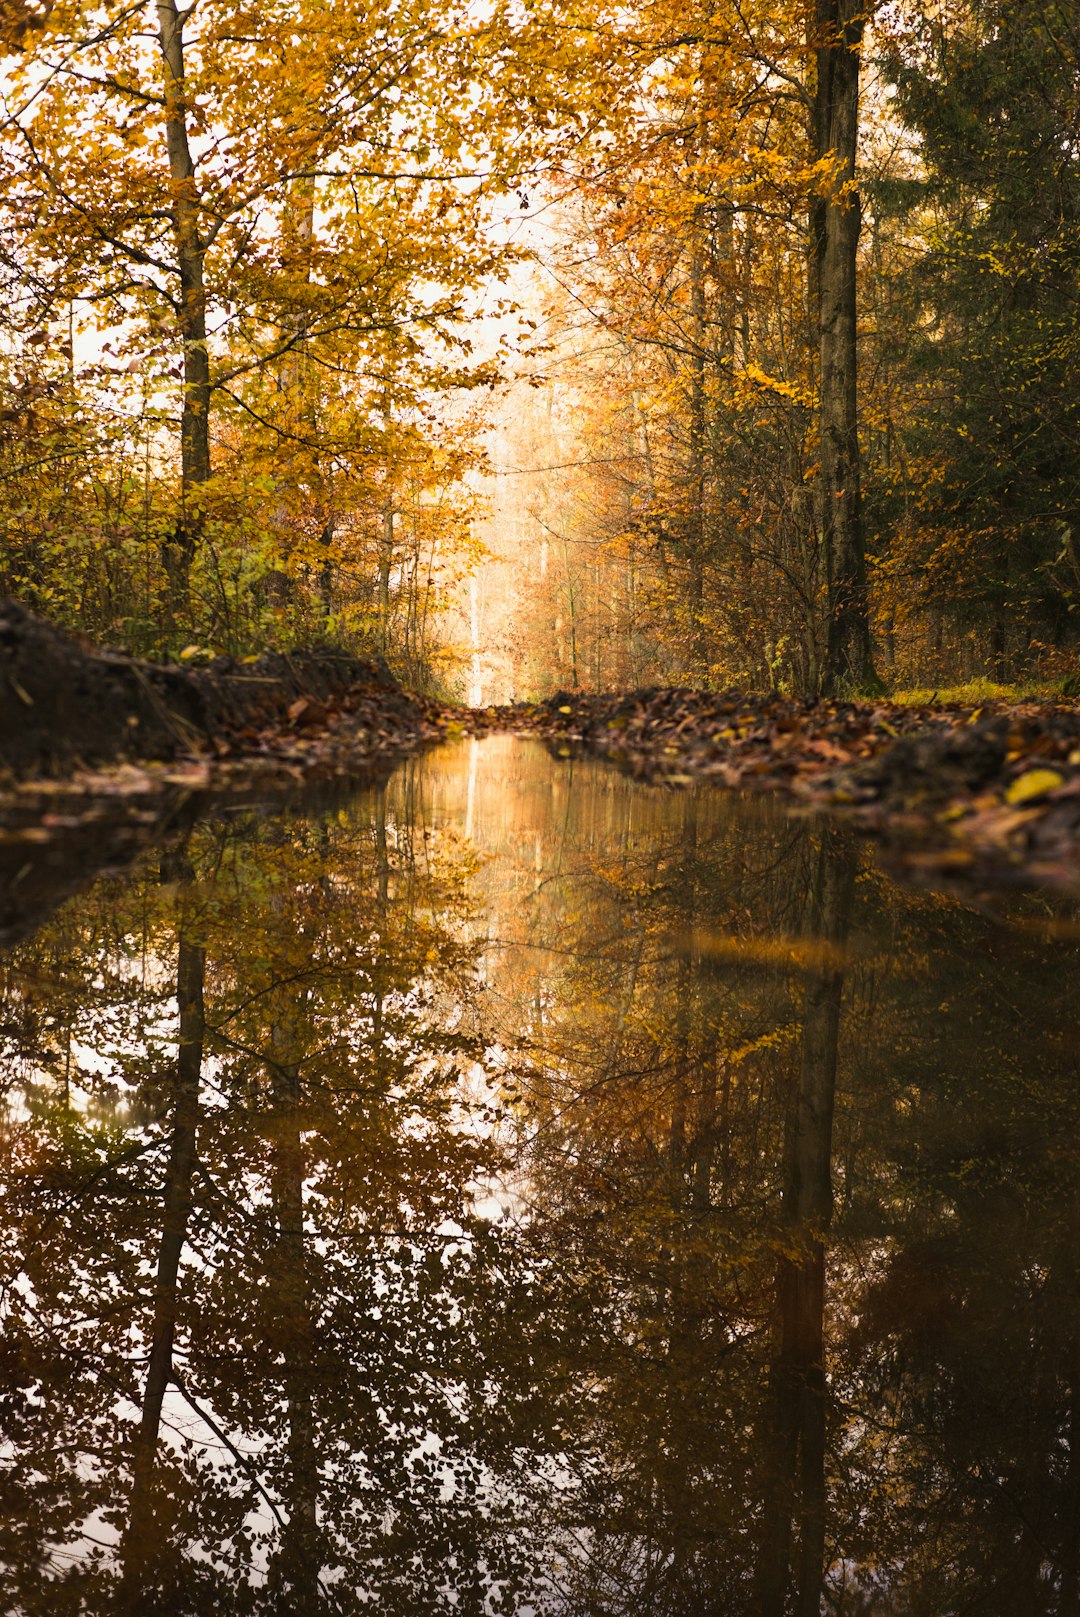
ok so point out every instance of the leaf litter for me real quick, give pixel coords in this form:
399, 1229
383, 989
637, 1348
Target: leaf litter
994, 789
990, 793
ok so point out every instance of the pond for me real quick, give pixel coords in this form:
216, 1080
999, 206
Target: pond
517, 1189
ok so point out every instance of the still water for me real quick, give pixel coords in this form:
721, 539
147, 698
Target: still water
514, 1189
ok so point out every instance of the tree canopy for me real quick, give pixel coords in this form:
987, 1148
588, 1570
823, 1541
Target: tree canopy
797, 282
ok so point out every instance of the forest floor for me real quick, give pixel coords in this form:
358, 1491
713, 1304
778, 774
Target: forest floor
98, 750
989, 792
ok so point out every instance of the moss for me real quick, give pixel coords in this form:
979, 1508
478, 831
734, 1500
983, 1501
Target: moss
978, 692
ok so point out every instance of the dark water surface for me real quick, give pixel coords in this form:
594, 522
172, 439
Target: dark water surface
524, 1191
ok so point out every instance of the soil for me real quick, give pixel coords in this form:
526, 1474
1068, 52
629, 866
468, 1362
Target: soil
991, 792
97, 748
65, 706
102, 754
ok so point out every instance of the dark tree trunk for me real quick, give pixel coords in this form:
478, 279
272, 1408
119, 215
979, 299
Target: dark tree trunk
195, 465
835, 220
698, 449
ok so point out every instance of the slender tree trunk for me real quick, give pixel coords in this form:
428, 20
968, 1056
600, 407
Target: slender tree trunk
386, 557
835, 221
683, 1289
999, 655
382, 877
298, 235
195, 465
698, 446
699, 400
571, 602
191, 971
326, 569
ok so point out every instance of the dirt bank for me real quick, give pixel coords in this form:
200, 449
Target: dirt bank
101, 754
993, 790
65, 706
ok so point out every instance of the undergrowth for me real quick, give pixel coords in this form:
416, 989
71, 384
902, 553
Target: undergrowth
978, 692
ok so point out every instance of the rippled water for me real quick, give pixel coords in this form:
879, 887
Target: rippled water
519, 1190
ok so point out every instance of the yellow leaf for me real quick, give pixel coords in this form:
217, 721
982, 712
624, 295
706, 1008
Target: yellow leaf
1031, 784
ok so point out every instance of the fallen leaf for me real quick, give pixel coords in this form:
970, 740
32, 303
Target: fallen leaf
1031, 784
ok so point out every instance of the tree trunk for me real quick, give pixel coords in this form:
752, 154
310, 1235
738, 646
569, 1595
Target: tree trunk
386, 558
575, 681
297, 238
195, 467
698, 446
835, 220
301, 413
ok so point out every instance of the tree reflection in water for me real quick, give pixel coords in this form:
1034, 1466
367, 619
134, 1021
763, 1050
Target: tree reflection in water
525, 1190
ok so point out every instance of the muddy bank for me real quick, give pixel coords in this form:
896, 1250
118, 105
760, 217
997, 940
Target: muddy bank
993, 790
102, 754
65, 706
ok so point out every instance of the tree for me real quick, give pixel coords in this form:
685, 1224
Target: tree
707, 326
982, 500
247, 215
835, 216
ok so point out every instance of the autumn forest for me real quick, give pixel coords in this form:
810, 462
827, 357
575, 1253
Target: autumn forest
540, 808
540, 345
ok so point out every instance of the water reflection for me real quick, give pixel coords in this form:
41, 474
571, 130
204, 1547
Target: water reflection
519, 1191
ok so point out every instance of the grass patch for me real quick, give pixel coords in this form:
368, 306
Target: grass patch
978, 692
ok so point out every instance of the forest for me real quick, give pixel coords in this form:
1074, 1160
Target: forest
540, 808
539, 345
